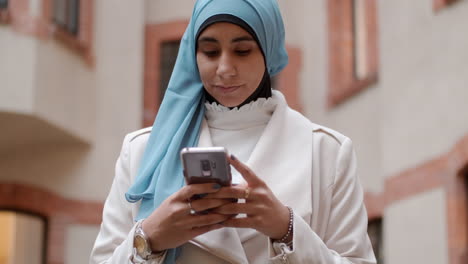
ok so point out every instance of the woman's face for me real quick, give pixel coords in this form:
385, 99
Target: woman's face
230, 62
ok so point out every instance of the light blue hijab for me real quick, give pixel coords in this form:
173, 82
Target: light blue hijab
179, 119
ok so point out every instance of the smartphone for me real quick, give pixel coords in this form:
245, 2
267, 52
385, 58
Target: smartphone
206, 165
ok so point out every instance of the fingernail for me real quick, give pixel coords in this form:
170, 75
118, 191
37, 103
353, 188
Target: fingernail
233, 157
216, 186
202, 195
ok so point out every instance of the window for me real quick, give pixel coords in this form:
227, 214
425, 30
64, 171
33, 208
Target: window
441, 4
4, 16
3, 4
169, 50
374, 229
352, 26
23, 238
73, 25
66, 15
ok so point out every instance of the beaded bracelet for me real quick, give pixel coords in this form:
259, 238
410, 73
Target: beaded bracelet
290, 226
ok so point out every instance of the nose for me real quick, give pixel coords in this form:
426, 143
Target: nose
226, 66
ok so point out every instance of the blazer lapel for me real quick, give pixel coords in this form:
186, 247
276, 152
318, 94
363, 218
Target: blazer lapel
283, 159
224, 243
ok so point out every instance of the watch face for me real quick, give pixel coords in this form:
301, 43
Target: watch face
140, 245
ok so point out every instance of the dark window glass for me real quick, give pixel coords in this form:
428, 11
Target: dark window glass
374, 229
3, 3
464, 174
66, 15
168, 57
73, 15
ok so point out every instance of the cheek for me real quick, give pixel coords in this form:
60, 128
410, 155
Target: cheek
255, 70
204, 69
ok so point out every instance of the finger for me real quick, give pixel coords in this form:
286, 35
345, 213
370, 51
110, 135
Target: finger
207, 203
192, 189
235, 208
248, 175
204, 220
237, 192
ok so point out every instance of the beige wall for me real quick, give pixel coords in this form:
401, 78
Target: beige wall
424, 81
65, 90
165, 11
17, 71
79, 242
415, 230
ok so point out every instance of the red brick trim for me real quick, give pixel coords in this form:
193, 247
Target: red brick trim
4, 16
158, 33
438, 5
375, 205
341, 78
288, 79
20, 19
59, 212
428, 176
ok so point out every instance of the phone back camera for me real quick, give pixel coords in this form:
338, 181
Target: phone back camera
206, 168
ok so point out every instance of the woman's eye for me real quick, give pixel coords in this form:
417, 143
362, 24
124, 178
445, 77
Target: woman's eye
210, 53
243, 52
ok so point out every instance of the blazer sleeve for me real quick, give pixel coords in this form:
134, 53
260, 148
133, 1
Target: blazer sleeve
345, 239
114, 243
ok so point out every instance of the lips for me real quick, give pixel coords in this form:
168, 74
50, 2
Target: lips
227, 88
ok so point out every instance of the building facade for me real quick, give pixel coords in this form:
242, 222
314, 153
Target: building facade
76, 76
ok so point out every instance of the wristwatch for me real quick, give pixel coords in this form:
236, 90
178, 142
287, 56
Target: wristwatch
141, 245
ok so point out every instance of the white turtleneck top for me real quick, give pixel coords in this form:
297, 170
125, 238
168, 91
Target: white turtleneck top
239, 129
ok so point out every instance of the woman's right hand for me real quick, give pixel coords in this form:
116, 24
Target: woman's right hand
172, 224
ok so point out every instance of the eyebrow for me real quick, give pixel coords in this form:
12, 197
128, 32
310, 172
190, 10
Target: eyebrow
211, 39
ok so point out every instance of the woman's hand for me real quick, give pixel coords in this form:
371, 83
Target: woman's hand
172, 223
264, 211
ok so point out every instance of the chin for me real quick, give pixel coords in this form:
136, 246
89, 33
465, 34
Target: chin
229, 103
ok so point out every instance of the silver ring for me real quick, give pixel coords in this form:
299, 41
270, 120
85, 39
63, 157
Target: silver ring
192, 211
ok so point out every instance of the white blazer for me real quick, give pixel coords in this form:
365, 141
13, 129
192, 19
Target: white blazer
309, 167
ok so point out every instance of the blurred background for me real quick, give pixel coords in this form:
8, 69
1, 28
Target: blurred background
77, 75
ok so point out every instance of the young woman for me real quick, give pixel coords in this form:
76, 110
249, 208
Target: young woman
301, 201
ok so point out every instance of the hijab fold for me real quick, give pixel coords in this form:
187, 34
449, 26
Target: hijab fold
180, 115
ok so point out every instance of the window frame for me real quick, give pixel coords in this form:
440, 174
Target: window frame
80, 42
438, 5
457, 212
60, 212
342, 81
45, 230
5, 13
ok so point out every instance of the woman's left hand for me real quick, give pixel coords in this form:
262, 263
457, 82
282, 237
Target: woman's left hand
264, 211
